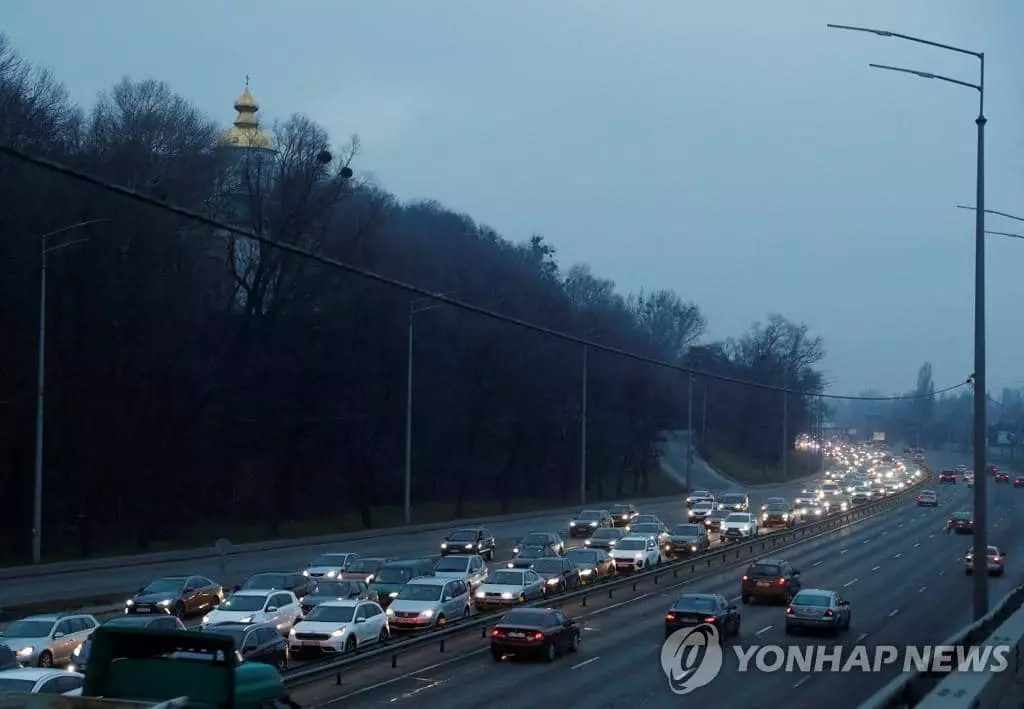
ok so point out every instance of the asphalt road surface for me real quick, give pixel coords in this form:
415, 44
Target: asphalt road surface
94, 584
902, 573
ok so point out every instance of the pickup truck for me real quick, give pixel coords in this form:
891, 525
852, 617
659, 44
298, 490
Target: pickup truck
141, 668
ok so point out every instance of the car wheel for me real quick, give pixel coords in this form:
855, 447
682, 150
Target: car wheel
282, 663
441, 620
46, 659
350, 644
496, 655
383, 636
575, 646
550, 652
179, 610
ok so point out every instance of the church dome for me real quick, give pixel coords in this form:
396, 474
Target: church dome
246, 131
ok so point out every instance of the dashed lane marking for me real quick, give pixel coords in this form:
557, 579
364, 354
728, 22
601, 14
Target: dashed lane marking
897, 556
917, 544
799, 682
860, 638
817, 563
922, 589
876, 568
850, 583
764, 630
585, 663
893, 612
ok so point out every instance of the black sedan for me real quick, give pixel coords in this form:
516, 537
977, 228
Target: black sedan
180, 596
295, 582
469, 540
527, 555
541, 539
80, 657
534, 631
559, 573
257, 642
962, 522
623, 515
692, 609
686, 539
336, 591
593, 564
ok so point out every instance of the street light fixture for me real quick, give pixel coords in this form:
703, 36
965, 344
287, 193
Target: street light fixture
980, 407
37, 497
416, 306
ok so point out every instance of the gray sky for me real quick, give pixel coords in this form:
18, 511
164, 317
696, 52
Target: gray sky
736, 151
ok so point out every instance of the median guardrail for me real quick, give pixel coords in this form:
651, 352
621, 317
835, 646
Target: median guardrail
940, 685
692, 567
229, 550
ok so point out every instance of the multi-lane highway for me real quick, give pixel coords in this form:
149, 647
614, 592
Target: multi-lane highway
901, 572
111, 582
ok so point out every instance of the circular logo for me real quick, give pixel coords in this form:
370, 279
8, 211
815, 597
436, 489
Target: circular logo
691, 658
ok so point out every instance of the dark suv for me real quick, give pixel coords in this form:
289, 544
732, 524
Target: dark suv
770, 580
962, 522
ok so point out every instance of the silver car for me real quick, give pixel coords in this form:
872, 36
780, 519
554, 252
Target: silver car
507, 587
470, 568
331, 565
40, 681
428, 602
994, 563
46, 640
818, 609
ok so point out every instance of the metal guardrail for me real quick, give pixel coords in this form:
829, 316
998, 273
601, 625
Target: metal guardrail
697, 566
917, 688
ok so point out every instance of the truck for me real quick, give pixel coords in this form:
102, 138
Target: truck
142, 668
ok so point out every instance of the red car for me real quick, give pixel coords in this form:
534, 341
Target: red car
1002, 477
1019, 482
947, 476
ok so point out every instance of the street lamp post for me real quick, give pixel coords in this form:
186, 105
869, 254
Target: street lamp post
37, 496
980, 433
689, 430
583, 425
416, 306
785, 425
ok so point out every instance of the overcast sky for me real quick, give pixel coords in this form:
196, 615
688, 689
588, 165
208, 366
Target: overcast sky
735, 151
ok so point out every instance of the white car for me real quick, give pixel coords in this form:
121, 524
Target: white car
699, 496
340, 626
739, 526
635, 553
700, 509
278, 608
331, 565
40, 680
995, 561
470, 568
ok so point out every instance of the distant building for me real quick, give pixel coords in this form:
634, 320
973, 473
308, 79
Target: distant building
251, 151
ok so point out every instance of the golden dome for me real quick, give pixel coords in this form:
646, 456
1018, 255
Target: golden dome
246, 131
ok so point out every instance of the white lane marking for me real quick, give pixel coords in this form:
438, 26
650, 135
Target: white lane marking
942, 572
860, 638
620, 604
843, 551
593, 630
917, 544
893, 612
884, 532
865, 541
764, 630
737, 598
922, 589
876, 568
931, 536
797, 684
817, 563
406, 676
897, 556
585, 663
850, 583
899, 525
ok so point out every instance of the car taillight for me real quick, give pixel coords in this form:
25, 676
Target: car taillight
789, 610
744, 579
829, 613
496, 633
710, 619
782, 582
537, 636
670, 616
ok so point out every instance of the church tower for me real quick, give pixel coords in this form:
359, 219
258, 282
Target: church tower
246, 133
250, 154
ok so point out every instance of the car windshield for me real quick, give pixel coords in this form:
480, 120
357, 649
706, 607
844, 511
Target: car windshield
241, 602
646, 519
778, 507
421, 592
607, 533
365, 566
764, 570
734, 499
28, 629
830, 486
703, 504
527, 618
588, 515
331, 614
775, 501
963, 515
741, 517
453, 563
168, 585
719, 514
330, 560
582, 556
333, 588
10, 684
547, 566
632, 545
620, 509
700, 604
463, 535
811, 599
266, 581
394, 574
532, 552
648, 528
534, 539
506, 578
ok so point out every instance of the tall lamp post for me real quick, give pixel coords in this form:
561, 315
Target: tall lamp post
37, 496
416, 306
980, 423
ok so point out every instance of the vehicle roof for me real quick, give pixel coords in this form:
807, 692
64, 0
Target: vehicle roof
344, 603
819, 591
428, 581
54, 617
336, 553
468, 529
232, 625
272, 573
259, 591
637, 538
410, 562
35, 673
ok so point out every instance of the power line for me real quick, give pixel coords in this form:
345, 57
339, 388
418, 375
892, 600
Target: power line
134, 195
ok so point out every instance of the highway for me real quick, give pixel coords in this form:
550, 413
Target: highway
127, 580
901, 572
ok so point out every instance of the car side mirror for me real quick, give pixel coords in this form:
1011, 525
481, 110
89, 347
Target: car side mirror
360, 620
58, 635
271, 609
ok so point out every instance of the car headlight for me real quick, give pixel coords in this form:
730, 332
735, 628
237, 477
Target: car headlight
572, 524
553, 582
427, 614
389, 611
332, 574
638, 556
246, 619
469, 546
693, 547
393, 594
593, 524
369, 579
507, 596
625, 516
444, 545
78, 651
129, 603
306, 573
26, 651
764, 516
515, 550
205, 620
481, 594
164, 603
586, 572
586, 542
785, 516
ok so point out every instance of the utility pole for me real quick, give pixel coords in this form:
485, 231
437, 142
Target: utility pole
689, 430
704, 415
408, 424
785, 425
583, 427
821, 431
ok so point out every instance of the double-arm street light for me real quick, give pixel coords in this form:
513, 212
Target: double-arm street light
980, 424
1000, 214
37, 498
420, 305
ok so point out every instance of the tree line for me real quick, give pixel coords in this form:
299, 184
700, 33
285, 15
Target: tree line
199, 384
